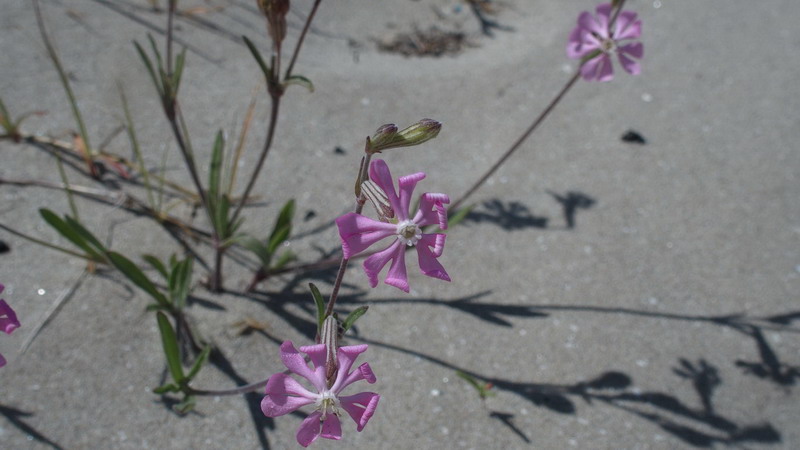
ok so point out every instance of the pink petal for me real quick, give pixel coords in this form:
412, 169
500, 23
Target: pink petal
296, 363
331, 427
635, 50
309, 429
8, 318
591, 24
598, 69
318, 356
363, 372
432, 210
347, 356
380, 175
603, 18
630, 66
397, 272
361, 407
407, 185
626, 26
284, 395
358, 232
574, 44
428, 263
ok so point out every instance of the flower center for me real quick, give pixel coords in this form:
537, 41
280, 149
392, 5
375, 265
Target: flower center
408, 232
608, 46
327, 403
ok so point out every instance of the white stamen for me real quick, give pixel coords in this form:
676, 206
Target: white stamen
408, 232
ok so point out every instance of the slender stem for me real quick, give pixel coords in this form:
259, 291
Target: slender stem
273, 122
45, 244
615, 15
343, 264
135, 145
51, 51
234, 391
519, 141
67, 190
170, 18
302, 38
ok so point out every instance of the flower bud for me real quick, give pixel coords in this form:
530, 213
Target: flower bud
387, 136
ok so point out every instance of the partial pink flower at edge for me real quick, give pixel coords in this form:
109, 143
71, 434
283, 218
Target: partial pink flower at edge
285, 395
8, 321
592, 35
358, 232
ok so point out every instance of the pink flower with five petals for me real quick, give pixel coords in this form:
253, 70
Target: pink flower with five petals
593, 36
8, 321
285, 394
359, 232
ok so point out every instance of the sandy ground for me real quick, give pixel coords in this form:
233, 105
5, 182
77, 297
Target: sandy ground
665, 318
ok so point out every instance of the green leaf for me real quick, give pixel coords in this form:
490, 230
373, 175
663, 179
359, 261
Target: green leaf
179, 282
68, 232
149, 65
320, 302
186, 405
221, 217
166, 388
133, 273
484, 389
259, 59
285, 258
85, 234
298, 80
257, 247
176, 77
458, 216
170, 343
353, 316
157, 264
159, 61
283, 226
156, 307
215, 166
198, 363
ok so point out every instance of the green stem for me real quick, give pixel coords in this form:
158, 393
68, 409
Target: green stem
518, 143
51, 51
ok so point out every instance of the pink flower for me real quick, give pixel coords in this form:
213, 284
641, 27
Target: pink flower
8, 320
592, 38
285, 395
358, 232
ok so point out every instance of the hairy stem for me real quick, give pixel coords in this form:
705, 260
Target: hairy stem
518, 143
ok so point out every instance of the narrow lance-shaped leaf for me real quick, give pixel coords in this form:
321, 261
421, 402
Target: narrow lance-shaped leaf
186, 405
86, 234
179, 281
259, 59
171, 387
257, 247
176, 77
68, 232
283, 226
157, 264
198, 363
459, 215
320, 302
299, 80
133, 273
215, 166
170, 343
353, 316
149, 65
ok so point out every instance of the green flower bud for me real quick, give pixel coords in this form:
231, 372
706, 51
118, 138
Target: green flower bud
387, 136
